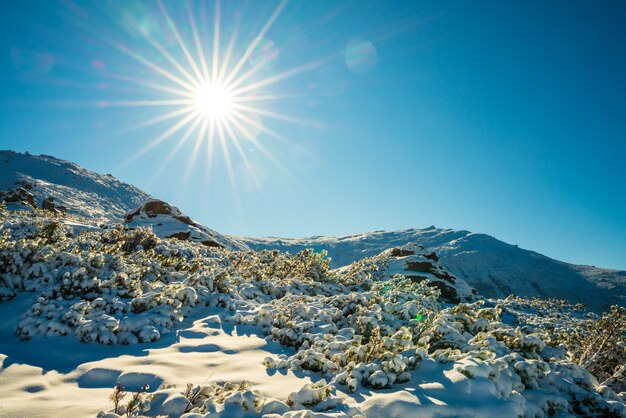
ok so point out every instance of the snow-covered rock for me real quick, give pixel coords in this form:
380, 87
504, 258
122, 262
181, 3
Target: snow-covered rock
168, 221
418, 264
19, 197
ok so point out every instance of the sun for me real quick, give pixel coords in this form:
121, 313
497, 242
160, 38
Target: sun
213, 101
219, 96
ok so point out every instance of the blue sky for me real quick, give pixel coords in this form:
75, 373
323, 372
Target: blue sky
507, 119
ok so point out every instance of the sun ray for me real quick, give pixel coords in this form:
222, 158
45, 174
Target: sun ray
145, 83
258, 145
227, 55
145, 103
267, 113
194, 152
181, 142
216, 42
180, 41
172, 60
199, 48
266, 97
151, 65
242, 154
165, 135
255, 42
248, 74
275, 78
262, 128
158, 119
209, 151
227, 160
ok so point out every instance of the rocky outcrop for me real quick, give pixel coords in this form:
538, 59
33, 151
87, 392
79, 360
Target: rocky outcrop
418, 264
167, 221
20, 196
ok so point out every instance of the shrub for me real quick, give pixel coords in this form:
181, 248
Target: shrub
600, 347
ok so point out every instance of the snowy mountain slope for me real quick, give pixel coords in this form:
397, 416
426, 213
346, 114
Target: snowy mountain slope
493, 267
81, 191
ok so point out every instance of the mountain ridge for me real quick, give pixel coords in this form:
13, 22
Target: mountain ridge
493, 267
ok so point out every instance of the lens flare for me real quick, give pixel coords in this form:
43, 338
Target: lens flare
213, 97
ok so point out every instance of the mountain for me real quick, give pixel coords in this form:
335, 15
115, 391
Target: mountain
493, 267
79, 191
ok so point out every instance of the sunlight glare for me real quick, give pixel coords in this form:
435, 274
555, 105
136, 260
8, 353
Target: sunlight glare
213, 101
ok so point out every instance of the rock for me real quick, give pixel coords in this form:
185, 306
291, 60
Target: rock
19, 195
48, 204
167, 221
419, 266
432, 256
401, 252
210, 243
412, 258
157, 207
181, 235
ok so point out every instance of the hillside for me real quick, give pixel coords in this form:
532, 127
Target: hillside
494, 268
81, 191
154, 314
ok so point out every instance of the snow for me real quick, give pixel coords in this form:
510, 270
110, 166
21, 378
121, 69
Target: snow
494, 268
411, 323
261, 333
62, 377
83, 192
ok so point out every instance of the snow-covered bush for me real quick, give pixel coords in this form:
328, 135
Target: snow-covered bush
600, 347
223, 400
595, 342
355, 327
130, 239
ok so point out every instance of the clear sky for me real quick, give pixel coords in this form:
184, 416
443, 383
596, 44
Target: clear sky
507, 118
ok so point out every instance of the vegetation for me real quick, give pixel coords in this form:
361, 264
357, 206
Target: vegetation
356, 327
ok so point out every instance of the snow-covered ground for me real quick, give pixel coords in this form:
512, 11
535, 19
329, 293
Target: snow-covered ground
268, 334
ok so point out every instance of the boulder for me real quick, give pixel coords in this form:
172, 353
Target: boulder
417, 264
48, 204
167, 221
19, 195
